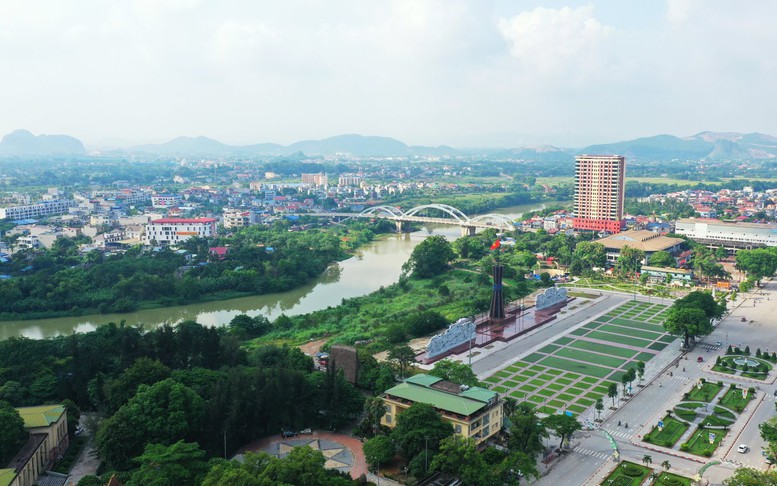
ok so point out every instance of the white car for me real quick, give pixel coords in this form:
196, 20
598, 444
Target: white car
742, 448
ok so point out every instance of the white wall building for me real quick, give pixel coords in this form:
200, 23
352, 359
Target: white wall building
165, 201
711, 231
171, 231
44, 208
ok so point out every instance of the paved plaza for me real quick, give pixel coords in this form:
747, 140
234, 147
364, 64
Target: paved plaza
573, 371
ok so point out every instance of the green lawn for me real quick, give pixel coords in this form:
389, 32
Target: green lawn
705, 394
603, 348
669, 479
699, 443
657, 346
533, 358
671, 433
555, 386
627, 331
636, 324
587, 369
733, 399
549, 348
599, 359
617, 338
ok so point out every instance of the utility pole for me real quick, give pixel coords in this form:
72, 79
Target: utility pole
225, 443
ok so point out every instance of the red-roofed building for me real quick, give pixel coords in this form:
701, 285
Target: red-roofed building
171, 231
220, 251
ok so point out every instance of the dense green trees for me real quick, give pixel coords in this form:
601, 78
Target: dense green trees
12, 432
563, 426
527, 431
692, 316
63, 282
430, 257
459, 373
757, 263
746, 476
420, 428
662, 259
163, 413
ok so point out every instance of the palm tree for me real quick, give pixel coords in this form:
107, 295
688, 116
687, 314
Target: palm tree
653, 476
647, 459
666, 465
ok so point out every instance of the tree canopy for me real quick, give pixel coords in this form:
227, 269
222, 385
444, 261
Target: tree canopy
419, 427
459, 373
12, 432
430, 257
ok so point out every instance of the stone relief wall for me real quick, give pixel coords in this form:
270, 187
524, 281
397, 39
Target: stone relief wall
457, 334
551, 297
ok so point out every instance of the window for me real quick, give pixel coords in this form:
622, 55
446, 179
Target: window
458, 428
388, 418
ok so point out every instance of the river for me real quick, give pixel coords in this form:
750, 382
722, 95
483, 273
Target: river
377, 264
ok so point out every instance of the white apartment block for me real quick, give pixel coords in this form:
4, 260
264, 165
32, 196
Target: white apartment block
238, 218
171, 231
165, 201
45, 208
712, 231
349, 180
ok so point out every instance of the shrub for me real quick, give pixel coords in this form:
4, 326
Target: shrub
704, 380
758, 352
729, 350
751, 390
707, 453
632, 471
747, 350
717, 360
720, 383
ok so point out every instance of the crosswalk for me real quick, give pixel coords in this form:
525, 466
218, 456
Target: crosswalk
711, 347
596, 454
623, 433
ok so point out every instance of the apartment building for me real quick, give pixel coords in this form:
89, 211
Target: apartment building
599, 192
171, 231
32, 211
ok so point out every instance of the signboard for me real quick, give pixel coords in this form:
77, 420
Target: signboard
712, 437
569, 414
660, 425
744, 392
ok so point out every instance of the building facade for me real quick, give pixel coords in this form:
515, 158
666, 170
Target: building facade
238, 218
161, 201
319, 179
473, 412
171, 231
713, 232
599, 192
31, 211
48, 440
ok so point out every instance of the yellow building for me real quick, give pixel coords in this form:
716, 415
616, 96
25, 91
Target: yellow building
474, 412
48, 440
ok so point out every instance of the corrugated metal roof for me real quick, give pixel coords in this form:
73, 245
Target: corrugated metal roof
438, 399
423, 380
41, 416
6, 476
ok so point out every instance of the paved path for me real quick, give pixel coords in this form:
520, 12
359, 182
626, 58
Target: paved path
489, 361
353, 444
593, 456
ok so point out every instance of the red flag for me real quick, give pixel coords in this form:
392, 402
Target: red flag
496, 245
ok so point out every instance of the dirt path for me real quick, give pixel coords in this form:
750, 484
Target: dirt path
312, 347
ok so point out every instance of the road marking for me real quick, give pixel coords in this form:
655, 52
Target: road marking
589, 452
618, 433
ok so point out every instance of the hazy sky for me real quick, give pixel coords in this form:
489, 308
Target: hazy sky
433, 72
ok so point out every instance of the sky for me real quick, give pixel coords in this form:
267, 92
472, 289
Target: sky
426, 72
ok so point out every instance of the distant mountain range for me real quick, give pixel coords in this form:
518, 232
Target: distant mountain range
25, 144
704, 145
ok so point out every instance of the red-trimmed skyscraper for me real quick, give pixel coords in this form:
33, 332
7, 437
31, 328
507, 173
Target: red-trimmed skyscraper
599, 189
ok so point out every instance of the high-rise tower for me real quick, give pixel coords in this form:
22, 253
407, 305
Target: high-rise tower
599, 188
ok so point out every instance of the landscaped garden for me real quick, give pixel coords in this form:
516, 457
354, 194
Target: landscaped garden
739, 362
712, 413
576, 370
627, 474
631, 474
670, 433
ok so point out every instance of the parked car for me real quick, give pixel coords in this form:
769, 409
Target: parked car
306, 431
699, 359
744, 319
742, 448
288, 433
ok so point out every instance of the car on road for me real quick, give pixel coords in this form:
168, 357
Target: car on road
718, 343
742, 448
699, 359
744, 319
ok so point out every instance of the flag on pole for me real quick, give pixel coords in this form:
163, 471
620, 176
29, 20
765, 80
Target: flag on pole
496, 245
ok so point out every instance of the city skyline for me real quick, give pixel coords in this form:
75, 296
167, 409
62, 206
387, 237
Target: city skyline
459, 73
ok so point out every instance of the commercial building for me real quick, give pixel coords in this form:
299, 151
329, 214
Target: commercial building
647, 241
474, 412
599, 190
48, 440
161, 201
349, 180
171, 231
713, 232
32, 211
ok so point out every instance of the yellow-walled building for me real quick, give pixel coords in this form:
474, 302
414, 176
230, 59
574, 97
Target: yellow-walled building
474, 412
48, 440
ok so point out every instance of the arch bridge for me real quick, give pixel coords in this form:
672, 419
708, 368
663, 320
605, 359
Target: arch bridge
431, 213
